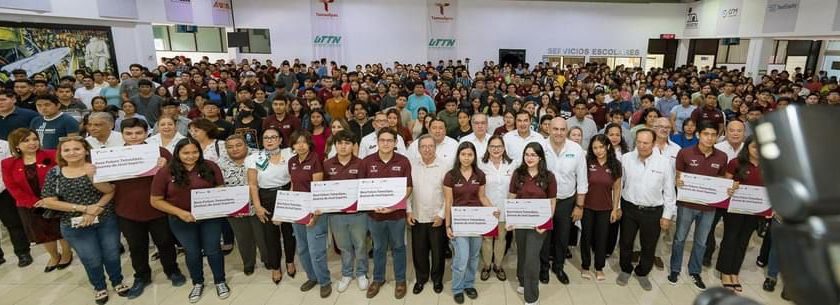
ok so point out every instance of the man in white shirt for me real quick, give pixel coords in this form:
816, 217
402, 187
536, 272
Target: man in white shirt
731, 145
479, 137
567, 161
369, 144
11, 219
516, 140
663, 146
88, 91
648, 202
101, 129
425, 215
445, 147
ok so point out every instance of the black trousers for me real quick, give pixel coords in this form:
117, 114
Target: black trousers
137, 235
612, 237
528, 246
593, 238
11, 220
559, 236
427, 240
764, 252
274, 233
711, 243
737, 230
645, 221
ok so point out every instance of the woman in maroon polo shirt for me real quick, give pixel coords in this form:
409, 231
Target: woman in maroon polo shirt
464, 185
305, 167
601, 206
171, 193
532, 180
738, 228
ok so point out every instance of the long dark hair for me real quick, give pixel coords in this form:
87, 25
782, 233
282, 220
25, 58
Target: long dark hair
542, 168
486, 156
622, 144
179, 172
455, 172
743, 160
612, 162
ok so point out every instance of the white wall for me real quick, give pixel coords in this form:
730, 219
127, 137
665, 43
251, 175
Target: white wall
815, 18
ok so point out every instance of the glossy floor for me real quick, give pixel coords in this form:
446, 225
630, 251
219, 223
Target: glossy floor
31, 286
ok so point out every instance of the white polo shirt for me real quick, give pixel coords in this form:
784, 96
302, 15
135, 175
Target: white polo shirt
445, 151
427, 197
670, 151
480, 145
731, 152
568, 167
369, 145
4, 153
498, 183
515, 144
649, 183
114, 140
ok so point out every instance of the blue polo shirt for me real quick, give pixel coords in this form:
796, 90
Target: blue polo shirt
53, 129
19, 118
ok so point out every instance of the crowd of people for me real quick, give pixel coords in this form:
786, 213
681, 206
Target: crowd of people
606, 146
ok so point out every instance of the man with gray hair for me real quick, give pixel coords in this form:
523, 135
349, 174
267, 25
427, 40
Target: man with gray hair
100, 127
479, 137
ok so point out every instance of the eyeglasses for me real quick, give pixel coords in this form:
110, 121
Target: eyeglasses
272, 138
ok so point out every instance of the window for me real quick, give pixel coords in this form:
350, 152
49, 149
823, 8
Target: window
780, 55
734, 53
259, 41
189, 38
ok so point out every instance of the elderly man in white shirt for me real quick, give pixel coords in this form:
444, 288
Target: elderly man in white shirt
100, 126
445, 147
648, 202
479, 137
731, 145
567, 161
369, 145
425, 215
11, 220
665, 147
516, 140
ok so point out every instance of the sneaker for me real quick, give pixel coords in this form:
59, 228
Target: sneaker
222, 290
363, 282
698, 281
644, 282
344, 283
196, 292
622, 279
520, 290
769, 285
673, 278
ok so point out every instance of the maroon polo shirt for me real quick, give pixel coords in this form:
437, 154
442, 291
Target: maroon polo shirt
164, 185
302, 171
599, 115
528, 188
373, 167
599, 196
130, 196
704, 114
289, 124
691, 160
334, 170
753, 174
465, 191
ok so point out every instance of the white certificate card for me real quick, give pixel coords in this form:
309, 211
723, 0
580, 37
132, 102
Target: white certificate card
124, 162
528, 213
335, 195
749, 199
705, 190
382, 193
220, 202
475, 221
292, 207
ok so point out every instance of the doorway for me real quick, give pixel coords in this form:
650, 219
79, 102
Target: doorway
513, 57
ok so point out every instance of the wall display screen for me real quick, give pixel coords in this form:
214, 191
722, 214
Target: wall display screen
56, 49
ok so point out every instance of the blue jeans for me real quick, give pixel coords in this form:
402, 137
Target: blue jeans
350, 233
312, 249
98, 247
387, 233
197, 237
773, 257
464, 262
703, 219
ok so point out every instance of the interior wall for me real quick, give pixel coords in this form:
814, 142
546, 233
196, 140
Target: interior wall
815, 18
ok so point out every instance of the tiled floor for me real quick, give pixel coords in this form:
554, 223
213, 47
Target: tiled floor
70, 286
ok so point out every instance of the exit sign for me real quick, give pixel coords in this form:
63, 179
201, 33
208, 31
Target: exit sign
667, 36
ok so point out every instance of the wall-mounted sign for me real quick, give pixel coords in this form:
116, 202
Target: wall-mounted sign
781, 16
729, 18
667, 36
594, 52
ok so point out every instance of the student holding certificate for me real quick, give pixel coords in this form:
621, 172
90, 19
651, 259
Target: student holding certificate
349, 230
532, 179
738, 228
464, 185
602, 205
171, 193
305, 167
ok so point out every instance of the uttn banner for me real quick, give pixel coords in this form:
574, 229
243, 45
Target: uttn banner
442, 17
327, 31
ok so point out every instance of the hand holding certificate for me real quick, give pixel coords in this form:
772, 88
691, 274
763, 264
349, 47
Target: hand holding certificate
124, 162
529, 213
705, 190
335, 196
220, 202
382, 193
749, 199
475, 221
292, 207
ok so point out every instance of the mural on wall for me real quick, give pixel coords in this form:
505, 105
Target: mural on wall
55, 49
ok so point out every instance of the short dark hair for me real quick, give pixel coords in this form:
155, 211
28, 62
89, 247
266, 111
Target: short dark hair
707, 125
49, 97
346, 136
144, 82
386, 130
132, 123
205, 124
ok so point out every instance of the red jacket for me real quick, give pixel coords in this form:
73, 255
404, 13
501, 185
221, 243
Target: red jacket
15, 177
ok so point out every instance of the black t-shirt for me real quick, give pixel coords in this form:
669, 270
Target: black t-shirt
250, 131
225, 129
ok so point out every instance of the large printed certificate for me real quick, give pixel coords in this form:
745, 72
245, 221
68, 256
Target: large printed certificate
220, 202
124, 162
705, 190
335, 195
475, 221
750, 199
382, 193
292, 207
529, 213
